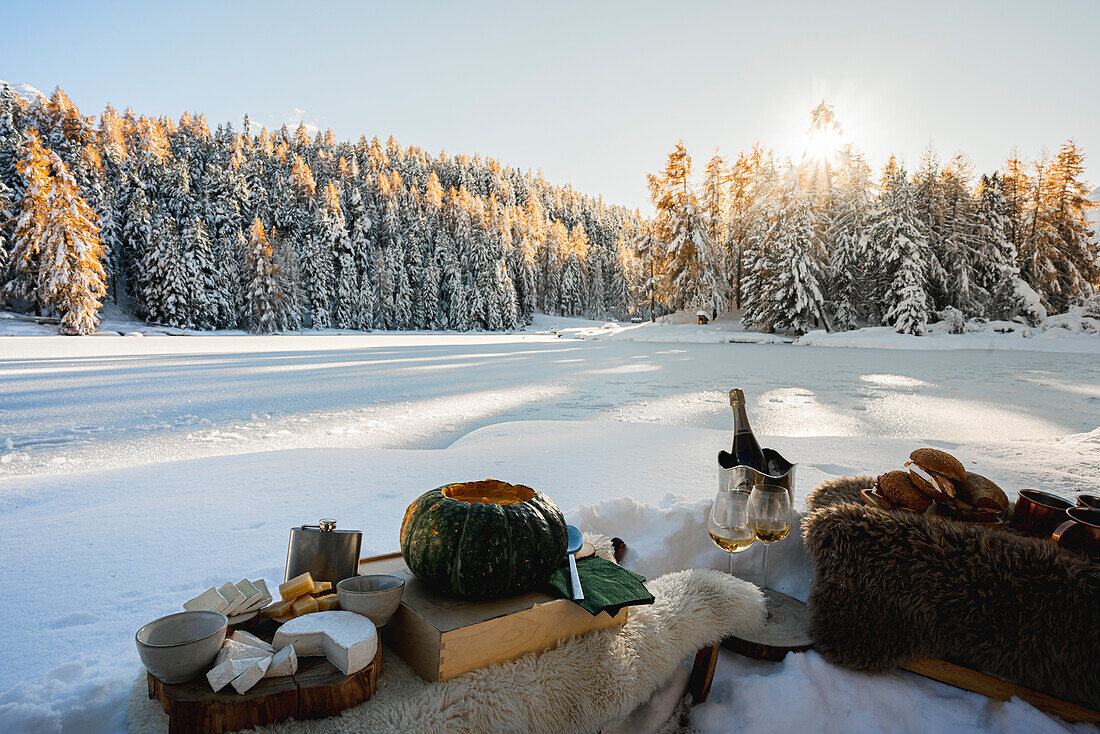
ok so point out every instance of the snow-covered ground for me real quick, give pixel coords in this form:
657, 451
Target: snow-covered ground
135, 472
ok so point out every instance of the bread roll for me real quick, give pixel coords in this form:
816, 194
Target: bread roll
983, 493
897, 487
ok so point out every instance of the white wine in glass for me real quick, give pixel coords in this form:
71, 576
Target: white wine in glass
729, 526
770, 511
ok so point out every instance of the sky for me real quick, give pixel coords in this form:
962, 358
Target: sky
594, 94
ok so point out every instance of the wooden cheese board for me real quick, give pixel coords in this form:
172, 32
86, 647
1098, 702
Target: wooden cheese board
442, 637
317, 690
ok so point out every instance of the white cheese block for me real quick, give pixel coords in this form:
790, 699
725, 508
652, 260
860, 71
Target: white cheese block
252, 675
347, 639
224, 672
233, 597
251, 640
284, 662
208, 601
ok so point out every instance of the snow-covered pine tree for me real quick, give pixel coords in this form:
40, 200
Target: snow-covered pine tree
316, 260
572, 285
197, 250
429, 297
56, 261
167, 286
227, 293
901, 248
847, 236
794, 295
453, 291
333, 236
28, 267
930, 206
695, 268
7, 220
264, 307
957, 255
994, 263
526, 283
11, 140
1061, 260
288, 272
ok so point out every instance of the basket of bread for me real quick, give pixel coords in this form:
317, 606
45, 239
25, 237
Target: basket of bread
936, 482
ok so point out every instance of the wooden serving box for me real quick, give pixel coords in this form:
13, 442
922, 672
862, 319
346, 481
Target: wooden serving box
443, 637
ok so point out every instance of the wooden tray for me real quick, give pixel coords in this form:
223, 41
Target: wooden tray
443, 637
317, 690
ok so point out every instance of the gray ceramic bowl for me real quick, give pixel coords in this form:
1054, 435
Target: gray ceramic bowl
375, 596
178, 647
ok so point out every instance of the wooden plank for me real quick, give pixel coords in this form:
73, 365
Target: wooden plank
507, 638
1002, 690
702, 673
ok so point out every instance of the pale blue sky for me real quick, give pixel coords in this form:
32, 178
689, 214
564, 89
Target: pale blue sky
593, 93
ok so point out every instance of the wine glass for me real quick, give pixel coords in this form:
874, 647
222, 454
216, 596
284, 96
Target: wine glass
730, 525
770, 516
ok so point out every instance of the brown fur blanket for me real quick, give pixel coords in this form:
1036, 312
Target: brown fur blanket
889, 587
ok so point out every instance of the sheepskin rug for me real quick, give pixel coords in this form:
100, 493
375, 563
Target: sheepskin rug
580, 685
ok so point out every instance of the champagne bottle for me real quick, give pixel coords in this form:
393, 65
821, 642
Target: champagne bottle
745, 450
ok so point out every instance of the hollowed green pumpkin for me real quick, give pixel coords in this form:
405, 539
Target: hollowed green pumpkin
483, 540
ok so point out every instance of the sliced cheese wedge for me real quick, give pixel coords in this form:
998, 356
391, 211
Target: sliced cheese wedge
246, 638
226, 671
252, 674
208, 601
233, 650
284, 662
348, 640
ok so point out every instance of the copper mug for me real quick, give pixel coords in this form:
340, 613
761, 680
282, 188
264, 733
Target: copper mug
1080, 534
1037, 513
1092, 501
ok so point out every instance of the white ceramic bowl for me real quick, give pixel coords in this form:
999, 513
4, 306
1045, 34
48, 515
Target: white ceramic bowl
178, 647
375, 596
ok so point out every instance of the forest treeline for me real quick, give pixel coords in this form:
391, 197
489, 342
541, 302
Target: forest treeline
280, 230
277, 230
817, 243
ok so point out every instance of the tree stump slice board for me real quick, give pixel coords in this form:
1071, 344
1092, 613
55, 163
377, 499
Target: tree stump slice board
785, 630
317, 690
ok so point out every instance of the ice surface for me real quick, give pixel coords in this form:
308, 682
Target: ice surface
622, 435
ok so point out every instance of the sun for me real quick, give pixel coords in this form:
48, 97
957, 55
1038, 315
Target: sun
824, 137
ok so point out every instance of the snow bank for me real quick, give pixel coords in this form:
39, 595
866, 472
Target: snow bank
67, 662
1063, 333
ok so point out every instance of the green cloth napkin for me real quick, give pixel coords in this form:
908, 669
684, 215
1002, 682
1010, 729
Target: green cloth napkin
607, 586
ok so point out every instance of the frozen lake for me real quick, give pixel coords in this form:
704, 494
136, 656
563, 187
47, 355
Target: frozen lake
113, 401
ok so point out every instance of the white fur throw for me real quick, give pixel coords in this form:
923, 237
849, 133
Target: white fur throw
578, 686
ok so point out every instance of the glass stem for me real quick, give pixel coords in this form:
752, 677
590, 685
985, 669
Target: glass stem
764, 569
731, 563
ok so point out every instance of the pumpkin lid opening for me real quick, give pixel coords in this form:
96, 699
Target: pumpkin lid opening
489, 492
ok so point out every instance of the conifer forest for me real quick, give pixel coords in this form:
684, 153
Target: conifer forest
274, 231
